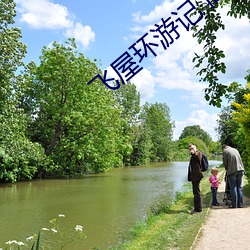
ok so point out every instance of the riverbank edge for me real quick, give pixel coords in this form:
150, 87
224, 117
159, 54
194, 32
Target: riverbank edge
171, 226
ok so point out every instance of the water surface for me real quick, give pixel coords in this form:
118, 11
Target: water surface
104, 204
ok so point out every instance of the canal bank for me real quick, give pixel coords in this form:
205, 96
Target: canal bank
173, 227
106, 205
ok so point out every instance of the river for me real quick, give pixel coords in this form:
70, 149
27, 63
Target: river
104, 204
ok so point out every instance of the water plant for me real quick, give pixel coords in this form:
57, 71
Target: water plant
53, 237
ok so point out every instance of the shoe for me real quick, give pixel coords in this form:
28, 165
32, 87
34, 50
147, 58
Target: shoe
194, 212
231, 207
217, 204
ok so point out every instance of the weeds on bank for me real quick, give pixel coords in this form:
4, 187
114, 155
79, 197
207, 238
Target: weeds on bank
169, 226
53, 237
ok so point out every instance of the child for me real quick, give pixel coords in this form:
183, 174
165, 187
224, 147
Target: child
214, 185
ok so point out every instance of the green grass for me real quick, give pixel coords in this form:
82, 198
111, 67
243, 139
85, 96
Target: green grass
170, 226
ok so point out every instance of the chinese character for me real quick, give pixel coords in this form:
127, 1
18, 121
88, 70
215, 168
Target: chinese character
124, 63
216, 1
104, 81
145, 46
186, 15
163, 33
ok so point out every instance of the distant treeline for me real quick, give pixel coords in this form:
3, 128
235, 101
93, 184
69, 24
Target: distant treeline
53, 124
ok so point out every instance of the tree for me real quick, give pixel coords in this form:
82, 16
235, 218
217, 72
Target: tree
233, 125
156, 120
227, 127
128, 100
183, 144
241, 116
78, 125
230, 130
20, 158
12, 50
196, 131
212, 57
142, 145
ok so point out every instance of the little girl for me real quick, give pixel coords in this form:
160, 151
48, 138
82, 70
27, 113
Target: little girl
214, 185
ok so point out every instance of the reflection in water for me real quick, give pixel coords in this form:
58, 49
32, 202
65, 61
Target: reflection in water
104, 204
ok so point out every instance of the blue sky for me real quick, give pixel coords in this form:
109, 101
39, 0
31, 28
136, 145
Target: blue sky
105, 29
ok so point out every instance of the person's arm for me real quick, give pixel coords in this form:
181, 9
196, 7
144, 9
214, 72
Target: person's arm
224, 159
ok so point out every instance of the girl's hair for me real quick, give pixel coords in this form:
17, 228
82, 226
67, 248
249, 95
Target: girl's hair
214, 170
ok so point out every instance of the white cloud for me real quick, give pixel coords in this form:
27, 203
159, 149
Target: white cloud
157, 13
143, 80
234, 41
44, 14
207, 122
145, 84
173, 68
83, 34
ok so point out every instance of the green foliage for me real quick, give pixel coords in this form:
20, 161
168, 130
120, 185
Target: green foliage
241, 116
12, 50
156, 121
36, 243
233, 123
215, 147
142, 145
53, 124
78, 125
212, 58
196, 131
170, 226
181, 154
53, 237
227, 127
128, 100
20, 159
201, 146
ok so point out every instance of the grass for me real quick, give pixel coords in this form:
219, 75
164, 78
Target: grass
246, 188
170, 226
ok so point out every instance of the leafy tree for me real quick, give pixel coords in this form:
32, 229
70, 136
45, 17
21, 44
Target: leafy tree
128, 100
196, 131
142, 145
212, 58
157, 122
215, 147
227, 127
19, 157
241, 115
78, 124
183, 144
232, 125
12, 50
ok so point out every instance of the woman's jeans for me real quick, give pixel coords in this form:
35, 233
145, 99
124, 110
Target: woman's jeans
214, 196
235, 182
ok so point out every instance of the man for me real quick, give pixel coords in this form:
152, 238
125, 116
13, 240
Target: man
195, 175
235, 169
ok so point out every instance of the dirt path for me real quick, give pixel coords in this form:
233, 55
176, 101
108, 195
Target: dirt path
225, 228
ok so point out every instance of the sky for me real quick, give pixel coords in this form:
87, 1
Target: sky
105, 29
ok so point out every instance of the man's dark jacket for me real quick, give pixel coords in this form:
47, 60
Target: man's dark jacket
194, 169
